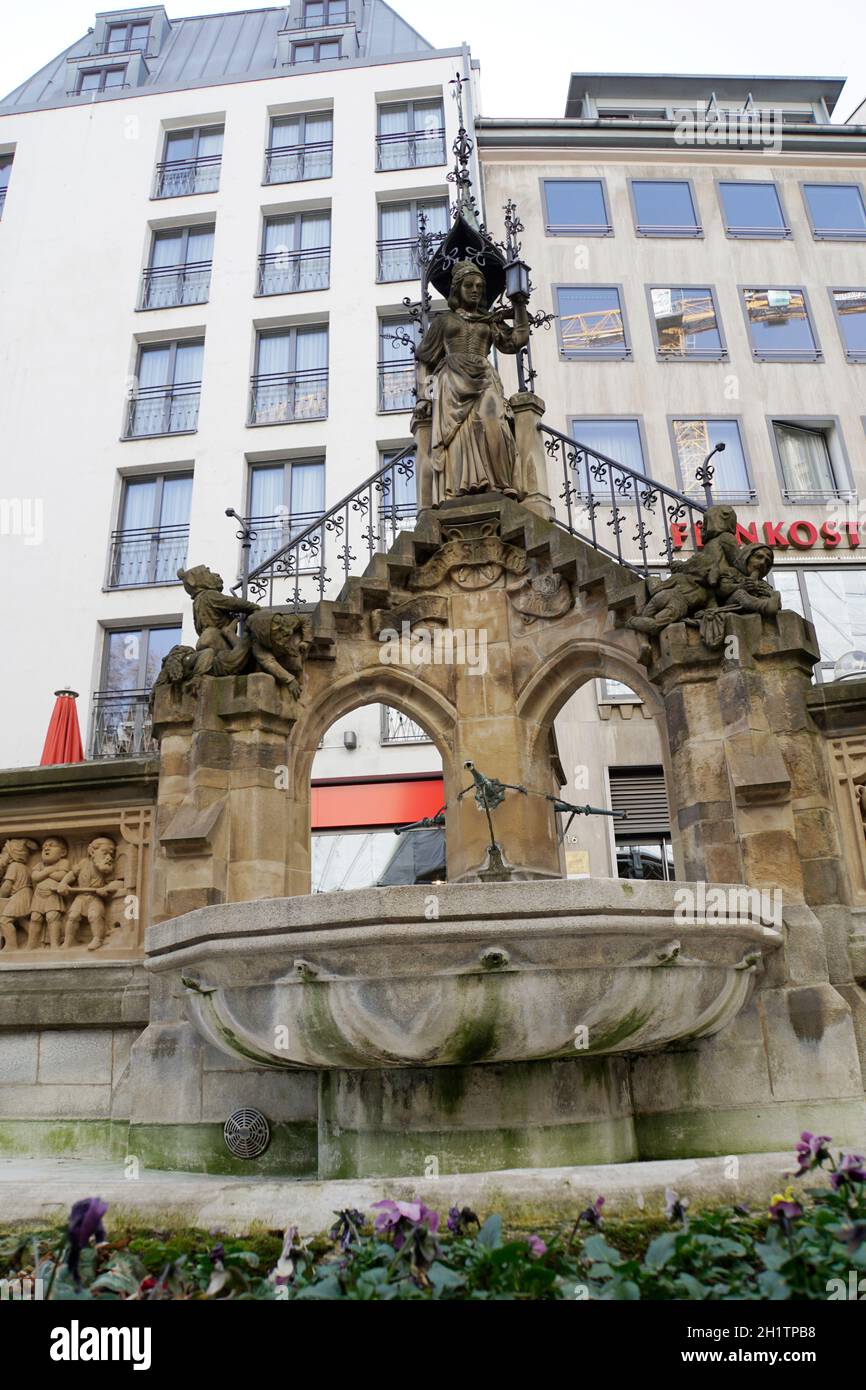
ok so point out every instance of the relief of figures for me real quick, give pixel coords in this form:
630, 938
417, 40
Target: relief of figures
51, 900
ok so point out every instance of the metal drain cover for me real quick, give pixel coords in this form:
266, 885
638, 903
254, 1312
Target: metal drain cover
247, 1133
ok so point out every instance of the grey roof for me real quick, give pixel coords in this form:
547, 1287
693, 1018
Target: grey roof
210, 49
617, 85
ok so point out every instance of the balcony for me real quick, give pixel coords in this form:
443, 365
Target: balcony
169, 285
279, 398
121, 724
177, 177
399, 728
2, 200
397, 384
397, 258
150, 555
271, 533
410, 149
296, 163
291, 272
164, 410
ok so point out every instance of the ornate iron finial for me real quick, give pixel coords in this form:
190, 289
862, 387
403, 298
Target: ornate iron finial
462, 149
513, 228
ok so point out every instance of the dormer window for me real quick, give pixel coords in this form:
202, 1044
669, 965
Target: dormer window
127, 38
100, 79
319, 51
318, 13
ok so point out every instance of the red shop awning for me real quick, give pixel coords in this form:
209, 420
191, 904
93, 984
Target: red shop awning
382, 801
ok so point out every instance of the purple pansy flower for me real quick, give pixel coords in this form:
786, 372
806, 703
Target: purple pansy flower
592, 1214
400, 1217
537, 1247
460, 1219
851, 1168
675, 1207
811, 1151
85, 1220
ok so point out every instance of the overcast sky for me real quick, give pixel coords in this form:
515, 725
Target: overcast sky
528, 50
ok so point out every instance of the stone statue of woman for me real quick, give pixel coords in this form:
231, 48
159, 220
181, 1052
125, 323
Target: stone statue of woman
472, 441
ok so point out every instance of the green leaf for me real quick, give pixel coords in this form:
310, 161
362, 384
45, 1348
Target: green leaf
773, 1286
596, 1248
691, 1286
490, 1234
660, 1250
441, 1277
328, 1287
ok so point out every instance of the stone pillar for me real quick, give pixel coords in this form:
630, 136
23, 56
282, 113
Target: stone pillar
532, 461
422, 426
222, 813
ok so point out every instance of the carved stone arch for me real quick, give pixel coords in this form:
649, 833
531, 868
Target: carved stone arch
327, 700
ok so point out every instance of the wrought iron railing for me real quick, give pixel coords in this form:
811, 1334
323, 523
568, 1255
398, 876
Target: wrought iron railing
410, 149
288, 272
164, 410
399, 728
147, 555
176, 177
316, 562
121, 724
617, 510
336, 14
279, 398
397, 384
2, 199
397, 257
165, 286
296, 163
268, 534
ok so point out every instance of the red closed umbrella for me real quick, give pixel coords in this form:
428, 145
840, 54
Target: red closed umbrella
63, 740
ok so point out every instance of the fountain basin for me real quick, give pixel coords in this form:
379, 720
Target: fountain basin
460, 974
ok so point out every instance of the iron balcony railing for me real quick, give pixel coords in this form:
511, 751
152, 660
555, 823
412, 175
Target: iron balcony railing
296, 163
399, 728
316, 562
166, 286
289, 272
176, 177
621, 513
164, 410
121, 724
397, 384
2, 200
410, 149
269, 534
278, 398
397, 258
147, 555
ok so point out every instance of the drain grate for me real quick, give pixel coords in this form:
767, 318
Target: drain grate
247, 1133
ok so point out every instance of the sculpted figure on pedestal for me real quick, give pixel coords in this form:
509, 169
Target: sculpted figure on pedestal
48, 906
720, 578
91, 880
15, 889
472, 443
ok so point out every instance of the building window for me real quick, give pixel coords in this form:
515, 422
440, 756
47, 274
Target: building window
127, 38
780, 325
5, 175
611, 692
805, 454
291, 377
591, 321
399, 728
168, 389
150, 545
191, 162
100, 79
316, 51
687, 324
411, 135
834, 601
397, 340
616, 439
836, 211
664, 207
643, 839
296, 253
320, 12
179, 269
849, 307
120, 720
397, 245
694, 439
752, 209
301, 147
284, 499
576, 207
